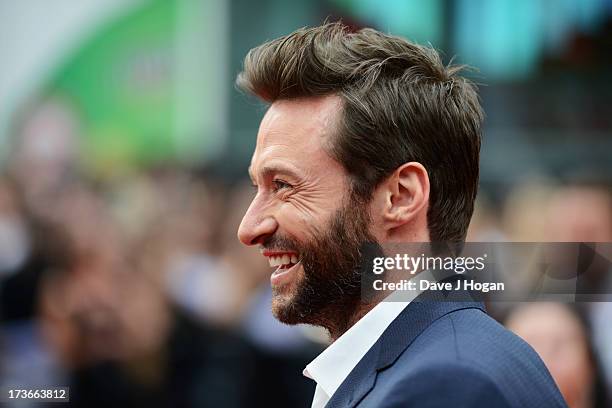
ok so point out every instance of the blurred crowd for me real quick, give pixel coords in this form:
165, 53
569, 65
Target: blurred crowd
133, 290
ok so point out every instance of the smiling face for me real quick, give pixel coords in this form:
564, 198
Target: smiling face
303, 217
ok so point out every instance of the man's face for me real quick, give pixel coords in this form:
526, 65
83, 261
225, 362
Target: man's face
303, 217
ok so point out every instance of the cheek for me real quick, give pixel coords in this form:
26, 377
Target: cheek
300, 222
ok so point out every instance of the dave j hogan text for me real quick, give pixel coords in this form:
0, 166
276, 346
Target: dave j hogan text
422, 285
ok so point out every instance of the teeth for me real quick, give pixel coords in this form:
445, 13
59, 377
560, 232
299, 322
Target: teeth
282, 260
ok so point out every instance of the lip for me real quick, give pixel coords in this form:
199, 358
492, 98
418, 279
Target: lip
283, 276
277, 253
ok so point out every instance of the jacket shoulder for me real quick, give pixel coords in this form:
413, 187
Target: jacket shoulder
466, 355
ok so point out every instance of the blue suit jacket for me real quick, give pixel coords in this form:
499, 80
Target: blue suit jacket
442, 353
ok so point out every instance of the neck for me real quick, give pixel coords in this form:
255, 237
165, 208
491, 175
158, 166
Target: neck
337, 322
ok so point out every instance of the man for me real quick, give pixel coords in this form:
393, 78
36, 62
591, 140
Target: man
371, 139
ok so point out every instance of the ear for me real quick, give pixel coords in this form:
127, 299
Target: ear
406, 195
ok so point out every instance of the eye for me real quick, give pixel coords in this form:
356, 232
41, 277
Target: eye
280, 185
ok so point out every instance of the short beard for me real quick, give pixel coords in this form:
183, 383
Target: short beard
329, 292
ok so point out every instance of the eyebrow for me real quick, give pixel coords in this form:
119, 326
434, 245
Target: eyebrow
269, 170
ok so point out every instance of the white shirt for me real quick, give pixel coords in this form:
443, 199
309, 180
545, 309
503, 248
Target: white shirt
334, 364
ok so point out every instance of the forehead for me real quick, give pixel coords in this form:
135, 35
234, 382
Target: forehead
296, 131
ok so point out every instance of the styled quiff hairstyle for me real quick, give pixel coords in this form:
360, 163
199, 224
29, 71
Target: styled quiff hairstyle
400, 103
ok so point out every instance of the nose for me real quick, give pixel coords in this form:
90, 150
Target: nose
256, 227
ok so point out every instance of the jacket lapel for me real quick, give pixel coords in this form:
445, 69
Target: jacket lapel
413, 320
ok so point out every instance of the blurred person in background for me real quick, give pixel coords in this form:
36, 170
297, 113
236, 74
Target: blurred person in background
581, 211
549, 211
577, 218
44, 150
560, 334
521, 217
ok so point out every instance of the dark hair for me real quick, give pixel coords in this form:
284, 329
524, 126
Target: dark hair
400, 103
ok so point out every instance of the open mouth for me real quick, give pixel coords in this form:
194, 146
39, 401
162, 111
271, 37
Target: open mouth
284, 261
285, 264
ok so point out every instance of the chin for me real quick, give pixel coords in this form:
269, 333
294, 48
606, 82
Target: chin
284, 310
285, 306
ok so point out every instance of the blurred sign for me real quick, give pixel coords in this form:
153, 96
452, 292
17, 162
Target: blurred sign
149, 86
